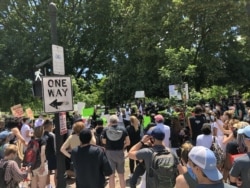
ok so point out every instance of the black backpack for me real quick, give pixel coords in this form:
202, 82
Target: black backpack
3, 183
163, 170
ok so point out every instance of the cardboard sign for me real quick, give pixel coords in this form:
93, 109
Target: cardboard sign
29, 113
17, 110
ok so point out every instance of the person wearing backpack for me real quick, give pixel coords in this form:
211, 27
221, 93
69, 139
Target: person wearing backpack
38, 166
10, 173
160, 162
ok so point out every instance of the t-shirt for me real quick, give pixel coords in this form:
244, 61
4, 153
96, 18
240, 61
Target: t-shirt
204, 140
24, 129
166, 130
50, 149
241, 168
196, 123
115, 136
146, 155
217, 185
91, 166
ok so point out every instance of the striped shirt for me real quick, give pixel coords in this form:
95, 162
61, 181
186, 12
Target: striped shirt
13, 174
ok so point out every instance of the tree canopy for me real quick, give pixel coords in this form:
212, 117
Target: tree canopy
117, 47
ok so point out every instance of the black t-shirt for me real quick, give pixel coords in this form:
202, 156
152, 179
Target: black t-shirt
134, 135
197, 122
50, 144
115, 136
91, 166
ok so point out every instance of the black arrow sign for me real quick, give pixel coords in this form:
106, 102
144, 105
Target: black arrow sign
55, 104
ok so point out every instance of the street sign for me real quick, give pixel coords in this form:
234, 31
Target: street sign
58, 60
57, 94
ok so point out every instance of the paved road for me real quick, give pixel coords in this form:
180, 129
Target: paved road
71, 182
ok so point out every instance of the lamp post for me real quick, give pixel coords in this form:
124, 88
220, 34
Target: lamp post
61, 182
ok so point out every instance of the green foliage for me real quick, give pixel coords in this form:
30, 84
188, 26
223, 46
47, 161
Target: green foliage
135, 45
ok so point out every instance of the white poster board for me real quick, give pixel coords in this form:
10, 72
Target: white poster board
139, 94
174, 91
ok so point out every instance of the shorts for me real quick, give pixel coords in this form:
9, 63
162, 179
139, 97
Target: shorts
45, 173
117, 161
52, 162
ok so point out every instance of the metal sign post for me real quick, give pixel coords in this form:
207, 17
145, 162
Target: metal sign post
56, 104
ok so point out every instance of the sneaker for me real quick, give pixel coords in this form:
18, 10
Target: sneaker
49, 186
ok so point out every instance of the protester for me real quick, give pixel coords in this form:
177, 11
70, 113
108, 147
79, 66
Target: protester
13, 174
26, 131
134, 135
116, 140
12, 124
186, 179
39, 175
206, 138
90, 163
203, 163
195, 123
239, 173
50, 150
156, 136
159, 120
72, 142
4, 141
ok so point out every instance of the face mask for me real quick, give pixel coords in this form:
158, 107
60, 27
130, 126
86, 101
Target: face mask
190, 171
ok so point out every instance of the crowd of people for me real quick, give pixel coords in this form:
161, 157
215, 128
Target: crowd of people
95, 151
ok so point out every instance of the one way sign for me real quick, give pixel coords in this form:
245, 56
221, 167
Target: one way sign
57, 94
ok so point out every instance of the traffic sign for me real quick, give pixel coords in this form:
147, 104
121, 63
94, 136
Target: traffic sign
58, 60
57, 94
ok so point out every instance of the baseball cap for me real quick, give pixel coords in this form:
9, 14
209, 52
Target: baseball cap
156, 133
206, 160
5, 134
245, 131
159, 117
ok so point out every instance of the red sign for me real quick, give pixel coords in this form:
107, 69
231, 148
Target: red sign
63, 123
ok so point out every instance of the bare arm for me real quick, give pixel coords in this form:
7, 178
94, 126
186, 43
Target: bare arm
17, 133
136, 147
127, 142
64, 148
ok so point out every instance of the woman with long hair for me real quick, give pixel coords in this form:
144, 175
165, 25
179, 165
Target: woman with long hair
134, 136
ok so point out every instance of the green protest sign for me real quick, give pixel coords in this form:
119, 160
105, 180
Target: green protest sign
86, 112
147, 120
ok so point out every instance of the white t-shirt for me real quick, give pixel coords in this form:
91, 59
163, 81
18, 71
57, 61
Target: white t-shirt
166, 130
220, 134
204, 140
24, 129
